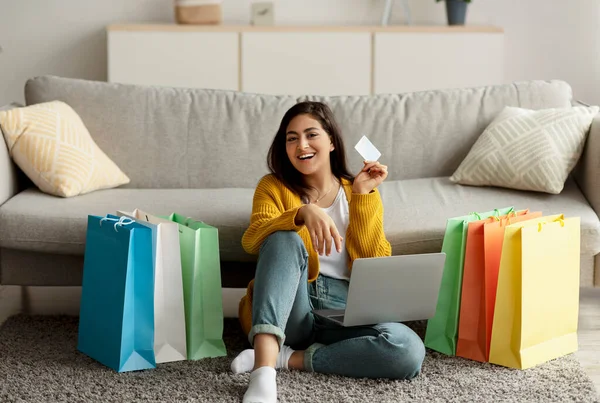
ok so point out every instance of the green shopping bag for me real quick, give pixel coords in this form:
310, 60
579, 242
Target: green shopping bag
442, 329
202, 299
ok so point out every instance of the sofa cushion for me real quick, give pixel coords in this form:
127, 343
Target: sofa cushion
35, 221
51, 144
199, 138
168, 138
415, 213
413, 129
528, 150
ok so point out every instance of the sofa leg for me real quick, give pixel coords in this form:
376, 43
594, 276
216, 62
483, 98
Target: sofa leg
10, 301
597, 270
25, 300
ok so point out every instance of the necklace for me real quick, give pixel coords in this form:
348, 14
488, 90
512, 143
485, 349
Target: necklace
321, 198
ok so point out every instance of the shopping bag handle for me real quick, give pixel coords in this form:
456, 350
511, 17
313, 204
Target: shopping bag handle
496, 215
118, 222
476, 215
560, 220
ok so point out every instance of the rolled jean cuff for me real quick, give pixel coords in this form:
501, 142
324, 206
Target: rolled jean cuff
266, 329
308, 356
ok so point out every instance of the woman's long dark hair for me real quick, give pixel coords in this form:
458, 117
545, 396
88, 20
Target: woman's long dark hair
278, 161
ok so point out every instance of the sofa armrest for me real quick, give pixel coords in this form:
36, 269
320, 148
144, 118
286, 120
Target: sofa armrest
587, 171
9, 182
8, 175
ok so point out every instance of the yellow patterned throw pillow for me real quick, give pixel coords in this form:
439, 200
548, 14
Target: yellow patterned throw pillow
50, 143
528, 149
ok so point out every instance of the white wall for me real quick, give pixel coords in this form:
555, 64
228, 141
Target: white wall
544, 39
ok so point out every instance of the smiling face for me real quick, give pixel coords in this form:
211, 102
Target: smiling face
308, 146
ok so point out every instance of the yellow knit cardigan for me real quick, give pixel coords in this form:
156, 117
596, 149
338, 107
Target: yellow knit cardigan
274, 208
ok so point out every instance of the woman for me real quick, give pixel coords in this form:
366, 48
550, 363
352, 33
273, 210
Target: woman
310, 219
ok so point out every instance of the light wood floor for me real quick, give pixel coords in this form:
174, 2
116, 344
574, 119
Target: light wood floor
589, 333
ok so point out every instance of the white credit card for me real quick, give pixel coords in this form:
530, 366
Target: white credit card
367, 150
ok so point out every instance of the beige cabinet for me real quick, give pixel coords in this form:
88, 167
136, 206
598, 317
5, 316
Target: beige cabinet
295, 63
174, 58
306, 60
406, 61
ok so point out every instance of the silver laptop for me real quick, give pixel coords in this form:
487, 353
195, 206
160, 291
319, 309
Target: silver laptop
390, 289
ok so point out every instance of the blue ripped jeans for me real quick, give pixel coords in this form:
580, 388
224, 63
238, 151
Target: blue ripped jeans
282, 305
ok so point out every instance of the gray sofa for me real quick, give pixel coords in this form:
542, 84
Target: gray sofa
201, 152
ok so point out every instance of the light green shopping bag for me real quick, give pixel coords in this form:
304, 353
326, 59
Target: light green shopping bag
442, 329
202, 298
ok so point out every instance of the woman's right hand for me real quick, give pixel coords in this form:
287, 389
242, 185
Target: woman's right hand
321, 228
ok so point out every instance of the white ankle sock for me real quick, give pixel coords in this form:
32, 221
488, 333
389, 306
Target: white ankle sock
244, 362
262, 387
283, 357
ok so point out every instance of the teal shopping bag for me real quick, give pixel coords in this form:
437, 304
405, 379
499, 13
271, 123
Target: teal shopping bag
442, 329
116, 317
203, 300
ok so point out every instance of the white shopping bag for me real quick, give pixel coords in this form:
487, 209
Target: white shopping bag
169, 313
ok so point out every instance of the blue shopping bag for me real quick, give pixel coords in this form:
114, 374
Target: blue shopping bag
116, 317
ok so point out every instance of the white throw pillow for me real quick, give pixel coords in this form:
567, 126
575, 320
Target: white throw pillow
528, 149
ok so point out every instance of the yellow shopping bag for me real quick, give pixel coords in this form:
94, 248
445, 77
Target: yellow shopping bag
537, 300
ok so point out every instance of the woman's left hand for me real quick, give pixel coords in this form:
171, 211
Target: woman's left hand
371, 176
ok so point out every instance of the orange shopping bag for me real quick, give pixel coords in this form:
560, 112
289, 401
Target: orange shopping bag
480, 276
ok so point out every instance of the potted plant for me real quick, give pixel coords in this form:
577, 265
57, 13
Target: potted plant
456, 10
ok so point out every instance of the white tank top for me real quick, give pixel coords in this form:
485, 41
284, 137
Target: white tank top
336, 264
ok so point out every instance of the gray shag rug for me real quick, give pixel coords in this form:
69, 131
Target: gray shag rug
39, 362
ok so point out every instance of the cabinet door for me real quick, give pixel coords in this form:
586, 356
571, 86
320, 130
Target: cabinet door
407, 62
297, 63
176, 59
